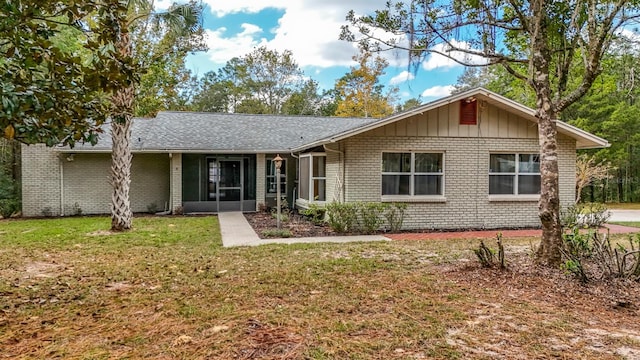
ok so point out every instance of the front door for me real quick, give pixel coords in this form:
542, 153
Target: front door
230, 185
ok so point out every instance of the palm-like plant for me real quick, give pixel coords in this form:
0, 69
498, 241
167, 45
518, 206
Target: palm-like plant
177, 29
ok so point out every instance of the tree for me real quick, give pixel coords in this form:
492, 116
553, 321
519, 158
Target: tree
116, 22
359, 92
261, 82
409, 104
555, 47
49, 93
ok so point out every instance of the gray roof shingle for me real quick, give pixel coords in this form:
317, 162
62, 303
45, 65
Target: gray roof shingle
214, 132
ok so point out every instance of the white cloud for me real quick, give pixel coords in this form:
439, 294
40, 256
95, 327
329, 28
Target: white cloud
402, 77
309, 28
162, 4
222, 47
437, 91
437, 61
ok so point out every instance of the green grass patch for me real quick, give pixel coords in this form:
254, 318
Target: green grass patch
627, 223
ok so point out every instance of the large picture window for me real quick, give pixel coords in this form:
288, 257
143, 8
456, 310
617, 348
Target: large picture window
412, 174
313, 178
514, 174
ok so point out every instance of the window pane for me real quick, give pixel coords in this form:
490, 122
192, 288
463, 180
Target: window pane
319, 189
528, 184
395, 184
529, 163
318, 166
502, 163
501, 184
396, 162
431, 163
428, 185
303, 193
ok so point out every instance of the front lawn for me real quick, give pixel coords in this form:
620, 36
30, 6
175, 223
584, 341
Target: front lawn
167, 289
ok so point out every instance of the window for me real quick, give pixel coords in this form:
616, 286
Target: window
514, 174
271, 177
313, 178
412, 174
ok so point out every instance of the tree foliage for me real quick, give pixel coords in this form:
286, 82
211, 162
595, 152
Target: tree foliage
360, 93
555, 47
50, 94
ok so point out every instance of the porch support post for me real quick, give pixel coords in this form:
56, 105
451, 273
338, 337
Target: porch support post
175, 181
261, 180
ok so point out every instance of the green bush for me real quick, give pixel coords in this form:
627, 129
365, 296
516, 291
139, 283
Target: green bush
342, 217
9, 195
394, 214
370, 216
314, 213
588, 215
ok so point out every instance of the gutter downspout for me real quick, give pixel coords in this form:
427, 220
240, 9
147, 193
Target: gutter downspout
61, 186
341, 159
170, 210
295, 188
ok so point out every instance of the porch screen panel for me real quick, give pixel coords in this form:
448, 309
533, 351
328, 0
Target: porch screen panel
191, 172
304, 178
249, 164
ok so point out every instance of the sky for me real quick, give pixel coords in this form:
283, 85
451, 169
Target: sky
310, 29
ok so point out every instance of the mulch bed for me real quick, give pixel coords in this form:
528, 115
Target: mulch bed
296, 223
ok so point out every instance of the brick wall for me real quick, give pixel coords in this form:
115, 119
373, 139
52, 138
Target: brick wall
85, 182
466, 188
40, 181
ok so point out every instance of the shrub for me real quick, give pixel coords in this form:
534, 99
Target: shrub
152, 208
488, 256
314, 213
342, 216
370, 216
9, 207
590, 215
394, 214
592, 255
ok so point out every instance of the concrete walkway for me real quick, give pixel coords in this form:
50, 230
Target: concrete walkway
236, 231
625, 215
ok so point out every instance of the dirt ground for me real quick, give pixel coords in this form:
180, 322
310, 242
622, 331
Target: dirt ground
296, 223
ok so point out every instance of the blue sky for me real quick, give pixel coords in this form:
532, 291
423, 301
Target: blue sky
310, 29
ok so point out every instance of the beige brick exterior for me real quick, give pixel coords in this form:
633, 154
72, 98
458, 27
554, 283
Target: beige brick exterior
54, 185
261, 184
176, 183
466, 188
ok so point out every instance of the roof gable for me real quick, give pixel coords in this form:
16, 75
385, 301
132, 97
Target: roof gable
583, 139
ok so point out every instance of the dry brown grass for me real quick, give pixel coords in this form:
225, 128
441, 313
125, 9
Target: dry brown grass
168, 290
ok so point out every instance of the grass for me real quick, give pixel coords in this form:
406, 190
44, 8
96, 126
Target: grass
623, 206
167, 289
627, 223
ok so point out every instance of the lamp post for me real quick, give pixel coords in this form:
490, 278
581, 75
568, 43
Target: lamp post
278, 163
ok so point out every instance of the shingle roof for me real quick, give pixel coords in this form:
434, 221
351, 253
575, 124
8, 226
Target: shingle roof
213, 132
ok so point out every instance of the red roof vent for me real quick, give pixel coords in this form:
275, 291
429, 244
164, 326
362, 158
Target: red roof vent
468, 111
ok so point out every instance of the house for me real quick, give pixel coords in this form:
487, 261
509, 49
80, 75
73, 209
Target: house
469, 160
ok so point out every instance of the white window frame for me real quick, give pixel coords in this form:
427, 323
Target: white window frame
283, 176
412, 197
310, 197
515, 196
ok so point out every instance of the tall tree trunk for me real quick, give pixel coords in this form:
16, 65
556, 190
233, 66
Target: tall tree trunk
121, 156
549, 204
